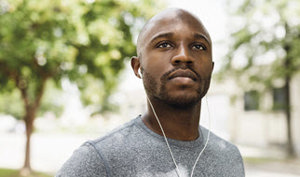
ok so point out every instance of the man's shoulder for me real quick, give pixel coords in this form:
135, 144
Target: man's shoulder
93, 157
116, 133
125, 134
221, 146
217, 141
225, 154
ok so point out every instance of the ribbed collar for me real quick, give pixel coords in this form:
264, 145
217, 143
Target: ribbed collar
173, 142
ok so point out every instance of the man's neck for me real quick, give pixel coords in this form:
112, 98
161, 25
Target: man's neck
180, 124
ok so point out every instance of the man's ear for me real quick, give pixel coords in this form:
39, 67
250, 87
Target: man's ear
213, 65
135, 64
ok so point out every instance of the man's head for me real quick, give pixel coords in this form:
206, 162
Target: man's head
175, 56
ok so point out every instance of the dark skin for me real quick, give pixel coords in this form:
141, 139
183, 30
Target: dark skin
175, 57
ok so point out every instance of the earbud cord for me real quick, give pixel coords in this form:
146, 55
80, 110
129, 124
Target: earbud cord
208, 135
165, 137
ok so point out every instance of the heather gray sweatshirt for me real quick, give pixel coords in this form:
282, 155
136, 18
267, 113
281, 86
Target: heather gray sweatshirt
134, 150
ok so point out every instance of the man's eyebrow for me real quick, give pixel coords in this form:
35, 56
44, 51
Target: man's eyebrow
201, 36
170, 34
161, 35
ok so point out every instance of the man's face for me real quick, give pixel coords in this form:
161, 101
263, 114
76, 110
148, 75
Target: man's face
176, 60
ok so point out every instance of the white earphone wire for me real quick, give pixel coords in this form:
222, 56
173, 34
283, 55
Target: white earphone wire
207, 139
169, 148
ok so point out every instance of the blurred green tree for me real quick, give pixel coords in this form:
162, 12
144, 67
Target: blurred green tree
85, 41
264, 48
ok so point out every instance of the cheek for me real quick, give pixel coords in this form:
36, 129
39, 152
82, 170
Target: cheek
156, 64
204, 68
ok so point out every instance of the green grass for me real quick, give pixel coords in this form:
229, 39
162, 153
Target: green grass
16, 173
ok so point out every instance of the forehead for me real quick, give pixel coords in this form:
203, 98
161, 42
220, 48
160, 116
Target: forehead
174, 22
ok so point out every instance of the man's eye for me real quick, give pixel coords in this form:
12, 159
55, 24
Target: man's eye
164, 45
199, 47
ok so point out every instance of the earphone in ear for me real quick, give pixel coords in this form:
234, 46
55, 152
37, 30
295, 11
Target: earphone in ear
140, 72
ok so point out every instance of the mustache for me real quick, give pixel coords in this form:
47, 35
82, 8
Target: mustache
165, 76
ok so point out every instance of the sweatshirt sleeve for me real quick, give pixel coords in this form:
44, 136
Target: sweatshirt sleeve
84, 162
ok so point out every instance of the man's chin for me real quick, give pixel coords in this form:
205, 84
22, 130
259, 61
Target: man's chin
182, 101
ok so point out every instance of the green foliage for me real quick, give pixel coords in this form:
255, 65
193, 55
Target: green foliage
83, 41
52, 101
10, 104
264, 45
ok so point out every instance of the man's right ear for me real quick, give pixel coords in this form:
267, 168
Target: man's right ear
135, 65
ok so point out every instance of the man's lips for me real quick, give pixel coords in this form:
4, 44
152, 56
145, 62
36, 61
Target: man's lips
183, 73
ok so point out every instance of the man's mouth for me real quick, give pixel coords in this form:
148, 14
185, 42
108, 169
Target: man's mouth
186, 73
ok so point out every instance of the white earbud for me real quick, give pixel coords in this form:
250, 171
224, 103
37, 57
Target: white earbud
140, 73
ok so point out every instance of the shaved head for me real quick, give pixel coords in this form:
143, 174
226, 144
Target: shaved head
165, 17
171, 42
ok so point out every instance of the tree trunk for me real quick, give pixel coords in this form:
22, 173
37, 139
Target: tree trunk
29, 119
31, 106
287, 110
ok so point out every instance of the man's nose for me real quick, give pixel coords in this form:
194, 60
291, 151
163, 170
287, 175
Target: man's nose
182, 56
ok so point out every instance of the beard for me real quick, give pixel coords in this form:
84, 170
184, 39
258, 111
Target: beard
159, 92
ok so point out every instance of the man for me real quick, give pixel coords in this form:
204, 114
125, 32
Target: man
175, 62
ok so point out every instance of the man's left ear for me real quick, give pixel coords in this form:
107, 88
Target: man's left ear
135, 65
212, 66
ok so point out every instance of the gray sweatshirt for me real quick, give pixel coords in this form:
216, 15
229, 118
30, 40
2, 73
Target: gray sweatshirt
134, 150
